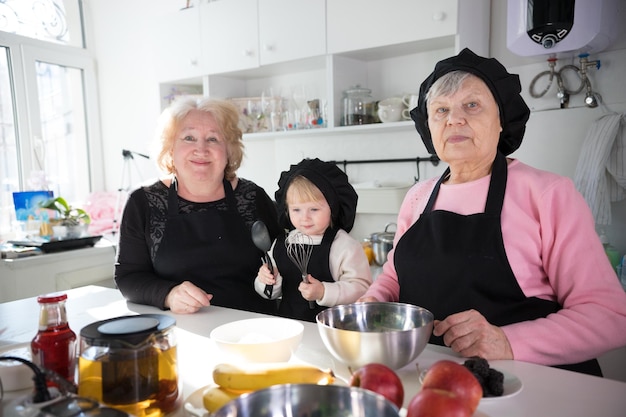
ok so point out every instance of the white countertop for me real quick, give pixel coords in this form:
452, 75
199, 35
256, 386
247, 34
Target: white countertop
103, 246
546, 391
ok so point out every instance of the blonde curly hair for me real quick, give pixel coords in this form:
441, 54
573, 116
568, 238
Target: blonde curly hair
225, 114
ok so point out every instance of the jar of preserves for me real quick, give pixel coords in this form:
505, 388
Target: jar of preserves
358, 107
54, 345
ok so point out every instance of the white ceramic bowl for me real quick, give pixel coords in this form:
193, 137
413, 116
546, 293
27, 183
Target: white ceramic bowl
271, 339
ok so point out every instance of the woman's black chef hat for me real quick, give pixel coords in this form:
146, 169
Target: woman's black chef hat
332, 182
505, 87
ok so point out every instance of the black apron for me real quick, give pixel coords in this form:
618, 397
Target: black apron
448, 263
214, 250
292, 304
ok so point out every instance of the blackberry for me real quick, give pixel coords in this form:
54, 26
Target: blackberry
491, 380
494, 384
478, 366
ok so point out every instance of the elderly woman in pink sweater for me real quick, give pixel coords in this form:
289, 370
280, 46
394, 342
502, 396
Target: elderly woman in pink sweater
505, 255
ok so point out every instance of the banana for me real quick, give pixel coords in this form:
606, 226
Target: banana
252, 377
215, 397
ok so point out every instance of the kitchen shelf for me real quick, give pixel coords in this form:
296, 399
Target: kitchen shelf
403, 126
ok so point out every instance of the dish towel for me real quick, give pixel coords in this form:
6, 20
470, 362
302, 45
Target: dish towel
601, 170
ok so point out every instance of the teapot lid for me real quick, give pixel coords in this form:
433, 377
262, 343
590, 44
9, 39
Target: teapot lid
132, 330
128, 325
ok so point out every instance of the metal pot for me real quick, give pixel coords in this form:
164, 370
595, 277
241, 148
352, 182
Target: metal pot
382, 243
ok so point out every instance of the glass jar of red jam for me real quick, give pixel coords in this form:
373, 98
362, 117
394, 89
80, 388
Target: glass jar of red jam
55, 346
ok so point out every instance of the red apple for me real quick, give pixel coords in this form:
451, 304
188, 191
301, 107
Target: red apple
380, 379
451, 376
435, 402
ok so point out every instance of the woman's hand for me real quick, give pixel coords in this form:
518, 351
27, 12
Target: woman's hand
470, 334
313, 290
265, 276
187, 298
367, 300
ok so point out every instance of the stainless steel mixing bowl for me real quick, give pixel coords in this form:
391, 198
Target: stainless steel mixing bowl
309, 400
393, 334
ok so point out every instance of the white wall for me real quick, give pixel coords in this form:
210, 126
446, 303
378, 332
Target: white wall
119, 31
130, 105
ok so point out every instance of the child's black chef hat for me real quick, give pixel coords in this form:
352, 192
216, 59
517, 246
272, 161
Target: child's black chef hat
332, 182
505, 87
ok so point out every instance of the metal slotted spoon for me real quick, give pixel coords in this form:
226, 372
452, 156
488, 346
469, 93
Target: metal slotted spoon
299, 247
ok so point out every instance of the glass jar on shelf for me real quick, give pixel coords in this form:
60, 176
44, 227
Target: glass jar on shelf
359, 108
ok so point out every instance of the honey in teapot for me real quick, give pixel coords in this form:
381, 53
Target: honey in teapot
130, 363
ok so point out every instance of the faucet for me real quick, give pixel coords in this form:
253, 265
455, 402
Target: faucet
591, 98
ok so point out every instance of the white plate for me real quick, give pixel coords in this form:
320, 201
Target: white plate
193, 406
512, 386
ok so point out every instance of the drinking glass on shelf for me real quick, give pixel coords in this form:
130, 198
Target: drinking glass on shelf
301, 108
290, 114
276, 115
271, 109
254, 115
316, 116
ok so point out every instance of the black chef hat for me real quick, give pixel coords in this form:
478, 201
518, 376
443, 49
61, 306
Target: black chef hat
505, 87
332, 182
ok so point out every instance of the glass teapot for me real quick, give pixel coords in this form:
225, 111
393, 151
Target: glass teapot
130, 363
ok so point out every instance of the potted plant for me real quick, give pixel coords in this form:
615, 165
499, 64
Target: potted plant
72, 221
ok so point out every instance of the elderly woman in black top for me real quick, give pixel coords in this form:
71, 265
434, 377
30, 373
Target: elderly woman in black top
185, 241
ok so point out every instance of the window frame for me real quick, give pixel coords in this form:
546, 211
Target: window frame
22, 56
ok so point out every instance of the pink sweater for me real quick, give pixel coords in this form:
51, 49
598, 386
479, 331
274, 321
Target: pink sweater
555, 253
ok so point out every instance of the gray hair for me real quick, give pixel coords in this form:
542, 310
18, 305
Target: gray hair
447, 84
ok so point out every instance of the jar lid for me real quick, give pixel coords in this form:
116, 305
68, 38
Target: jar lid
52, 298
358, 89
123, 330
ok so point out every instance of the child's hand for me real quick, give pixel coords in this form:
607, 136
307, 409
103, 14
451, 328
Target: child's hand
312, 291
265, 276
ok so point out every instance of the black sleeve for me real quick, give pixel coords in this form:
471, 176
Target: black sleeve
266, 209
134, 273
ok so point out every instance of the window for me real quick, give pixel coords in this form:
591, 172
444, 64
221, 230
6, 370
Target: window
9, 168
48, 106
57, 21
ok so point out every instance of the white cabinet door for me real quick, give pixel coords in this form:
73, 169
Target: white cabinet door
177, 47
230, 35
291, 29
361, 24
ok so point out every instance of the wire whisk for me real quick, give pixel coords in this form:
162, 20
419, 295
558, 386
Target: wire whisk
299, 247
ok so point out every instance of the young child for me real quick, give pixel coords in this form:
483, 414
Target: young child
316, 199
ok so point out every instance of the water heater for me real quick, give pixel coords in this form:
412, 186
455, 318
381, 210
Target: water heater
543, 27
